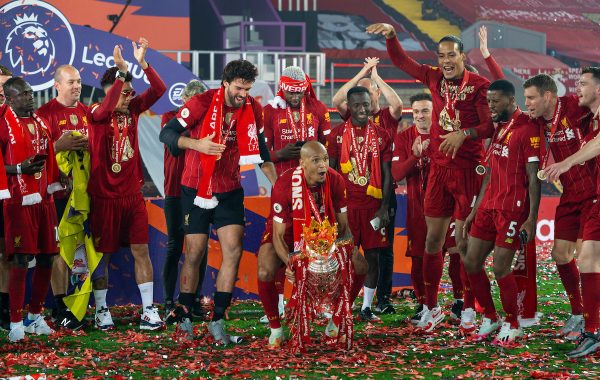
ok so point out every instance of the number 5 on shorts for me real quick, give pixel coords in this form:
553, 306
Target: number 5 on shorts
512, 231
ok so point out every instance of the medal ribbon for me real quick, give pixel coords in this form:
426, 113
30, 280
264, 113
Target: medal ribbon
301, 134
313, 205
450, 101
361, 156
499, 138
544, 148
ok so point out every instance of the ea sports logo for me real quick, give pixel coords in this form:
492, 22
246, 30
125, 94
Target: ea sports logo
175, 93
39, 39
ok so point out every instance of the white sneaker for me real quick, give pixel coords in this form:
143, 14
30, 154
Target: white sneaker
530, 322
507, 334
332, 330
487, 327
104, 320
37, 326
17, 332
430, 319
276, 338
264, 319
573, 324
467, 321
151, 320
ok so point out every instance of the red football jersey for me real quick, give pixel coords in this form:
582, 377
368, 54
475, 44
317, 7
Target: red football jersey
173, 165
472, 107
281, 200
415, 170
103, 181
27, 124
507, 188
593, 127
61, 119
358, 194
579, 181
226, 175
278, 130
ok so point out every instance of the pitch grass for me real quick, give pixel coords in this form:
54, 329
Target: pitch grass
391, 349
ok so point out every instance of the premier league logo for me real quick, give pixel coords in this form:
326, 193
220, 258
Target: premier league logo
39, 39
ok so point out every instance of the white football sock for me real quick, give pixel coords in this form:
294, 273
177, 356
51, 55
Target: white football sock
368, 294
147, 293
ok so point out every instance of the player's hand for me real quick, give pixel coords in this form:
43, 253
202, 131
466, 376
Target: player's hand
288, 152
66, 182
119, 61
67, 142
139, 52
452, 143
467, 225
555, 170
290, 275
383, 215
529, 226
207, 146
28, 166
483, 46
371, 64
386, 30
419, 147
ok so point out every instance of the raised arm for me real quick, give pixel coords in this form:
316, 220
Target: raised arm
157, 86
104, 110
489, 60
389, 94
587, 152
397, 54
339, 99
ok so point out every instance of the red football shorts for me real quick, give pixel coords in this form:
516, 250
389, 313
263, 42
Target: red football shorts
501, 227
591, 229
570, 219
362, 231
417, 233
30, 229
450, 236
451, 192
117, 222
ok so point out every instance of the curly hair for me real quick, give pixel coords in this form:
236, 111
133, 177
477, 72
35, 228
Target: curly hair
240, 68
110, 75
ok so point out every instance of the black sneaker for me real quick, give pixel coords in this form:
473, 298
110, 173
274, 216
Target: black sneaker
5, 319
456, 310
387, 308
588, 344
177, 314
418, 314
168, 307
66, 320
367, 315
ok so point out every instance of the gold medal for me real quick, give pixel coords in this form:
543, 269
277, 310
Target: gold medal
116, 167
480, 169
362, 181
37, 175
541, 174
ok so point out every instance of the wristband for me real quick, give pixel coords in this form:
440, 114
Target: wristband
467, 133
19, 171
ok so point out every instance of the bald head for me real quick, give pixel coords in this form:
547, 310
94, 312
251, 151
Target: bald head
67, 82
311, 148
315, 161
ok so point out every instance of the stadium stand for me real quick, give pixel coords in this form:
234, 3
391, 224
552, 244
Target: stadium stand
563, 21
413, 11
